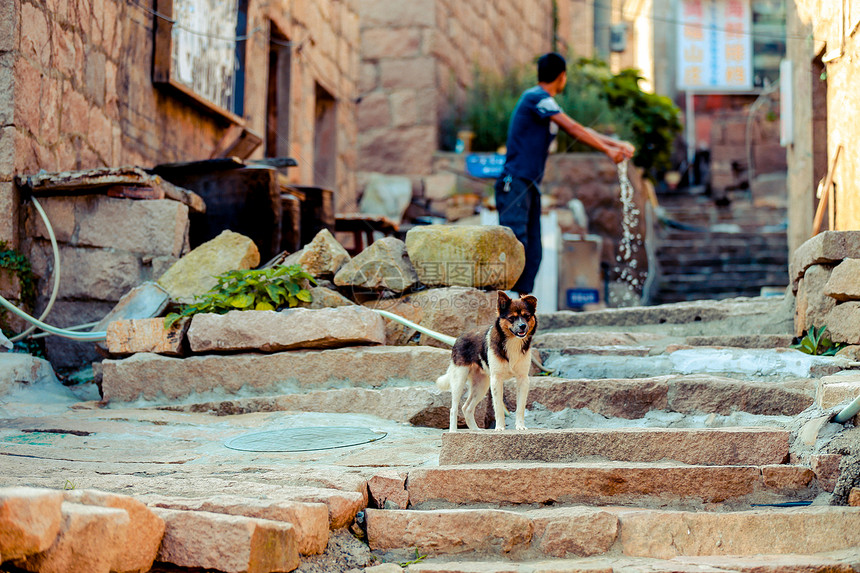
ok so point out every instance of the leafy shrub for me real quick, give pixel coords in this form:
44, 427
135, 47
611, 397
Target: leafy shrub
263, 289
817, 344
595, 97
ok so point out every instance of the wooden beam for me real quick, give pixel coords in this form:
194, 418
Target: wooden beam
826, 192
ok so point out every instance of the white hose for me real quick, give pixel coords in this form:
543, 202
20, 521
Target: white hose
79, 336
56, 250
848, 412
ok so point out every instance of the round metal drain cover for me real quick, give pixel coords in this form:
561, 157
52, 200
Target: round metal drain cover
303, 439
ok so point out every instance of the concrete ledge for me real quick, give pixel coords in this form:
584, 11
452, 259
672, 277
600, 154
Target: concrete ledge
729, 446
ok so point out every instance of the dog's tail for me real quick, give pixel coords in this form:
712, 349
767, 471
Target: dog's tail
444, 381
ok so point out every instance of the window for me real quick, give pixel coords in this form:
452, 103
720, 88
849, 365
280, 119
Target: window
200, 53
768, 29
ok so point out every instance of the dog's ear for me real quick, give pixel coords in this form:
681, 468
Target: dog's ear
531, 302
504, 302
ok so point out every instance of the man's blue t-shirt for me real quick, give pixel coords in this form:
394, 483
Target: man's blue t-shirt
530, 134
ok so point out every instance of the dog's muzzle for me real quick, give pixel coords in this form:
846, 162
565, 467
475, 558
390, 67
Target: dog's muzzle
520, 329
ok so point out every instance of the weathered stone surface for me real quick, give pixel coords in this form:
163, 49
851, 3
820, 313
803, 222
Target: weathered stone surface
272, 331
17, 370
143, 534
310, 520
448, 531
843, 322
388, 488
608, 350
825, 248
147, 300
723, 446
30, 520
229, 543
834, 390
826, 469
451, 311
854, 497
466, 255
811, 304
568, 339
843, 284
322, 257
90, 540
382, 266
742, 341
164, 379
146, 335
786, 478
762, 563
322, 297
614, 482
194, 274
667, 534
573, 531
701, 393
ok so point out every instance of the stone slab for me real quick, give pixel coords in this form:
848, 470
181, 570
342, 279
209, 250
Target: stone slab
573, 531
159, 378
843, 322
605, 482
843, 284
19, 370
832, 391
387, 490
271, 331
825, 248
147, 300
725, 446
812, 305
30, 520
568, 339
310, 520
668, 534
702, 393
382, 266
228, 543
146, 335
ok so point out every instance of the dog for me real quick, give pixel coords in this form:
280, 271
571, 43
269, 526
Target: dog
488, 357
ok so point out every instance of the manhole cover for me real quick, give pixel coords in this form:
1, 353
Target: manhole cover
303, 439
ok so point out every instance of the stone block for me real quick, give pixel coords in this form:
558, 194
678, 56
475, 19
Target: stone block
90, 541
383, 266
826, 469
383, 14
827, 248
466, 255
843, 322
669, 534
405, 110
383, 42
271, 331
147, 300
843, 284
389, 150
60, 212
322, 297
573, 531
146, 335
229, 543
440, 186
9, 13
832, 391
194, 274
812, 305
143, 535
702, 393
163, 378
448, 531
407, 73
387, 490
19, 370
309, 520
159, 228
450, 311
854, 497
374, 111
9, 202
322, 257
30, 520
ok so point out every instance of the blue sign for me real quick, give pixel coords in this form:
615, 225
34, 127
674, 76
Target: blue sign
579, 297
485, 165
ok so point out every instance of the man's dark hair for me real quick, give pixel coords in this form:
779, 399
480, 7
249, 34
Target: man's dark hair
550, 66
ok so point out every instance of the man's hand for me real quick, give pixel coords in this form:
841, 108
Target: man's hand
618, 150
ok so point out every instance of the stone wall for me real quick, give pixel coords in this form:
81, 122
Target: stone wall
76, 90
419, 57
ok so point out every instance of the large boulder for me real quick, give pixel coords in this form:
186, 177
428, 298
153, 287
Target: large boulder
30, 520
272, 331
384, 265
466, 255
451, 311
825, 248
812, 305
322, 257
194, 274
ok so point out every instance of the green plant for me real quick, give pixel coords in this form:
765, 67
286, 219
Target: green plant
418, 559
15, 263
817, 344
69, 485
263, 289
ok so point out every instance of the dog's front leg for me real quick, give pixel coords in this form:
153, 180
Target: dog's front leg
497, 392
522, 396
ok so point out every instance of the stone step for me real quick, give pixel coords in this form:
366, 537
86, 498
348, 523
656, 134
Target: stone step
163, 379
576, 531
629, 399
604, 483
723, 447
757, 563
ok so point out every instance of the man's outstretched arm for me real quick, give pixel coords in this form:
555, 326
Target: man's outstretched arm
617, 150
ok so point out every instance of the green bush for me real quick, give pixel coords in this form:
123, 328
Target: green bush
263, 289
595, 97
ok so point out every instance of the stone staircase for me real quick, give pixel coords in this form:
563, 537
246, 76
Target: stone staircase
722, 252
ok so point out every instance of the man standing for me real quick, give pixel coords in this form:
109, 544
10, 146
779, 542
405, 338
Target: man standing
533, 126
